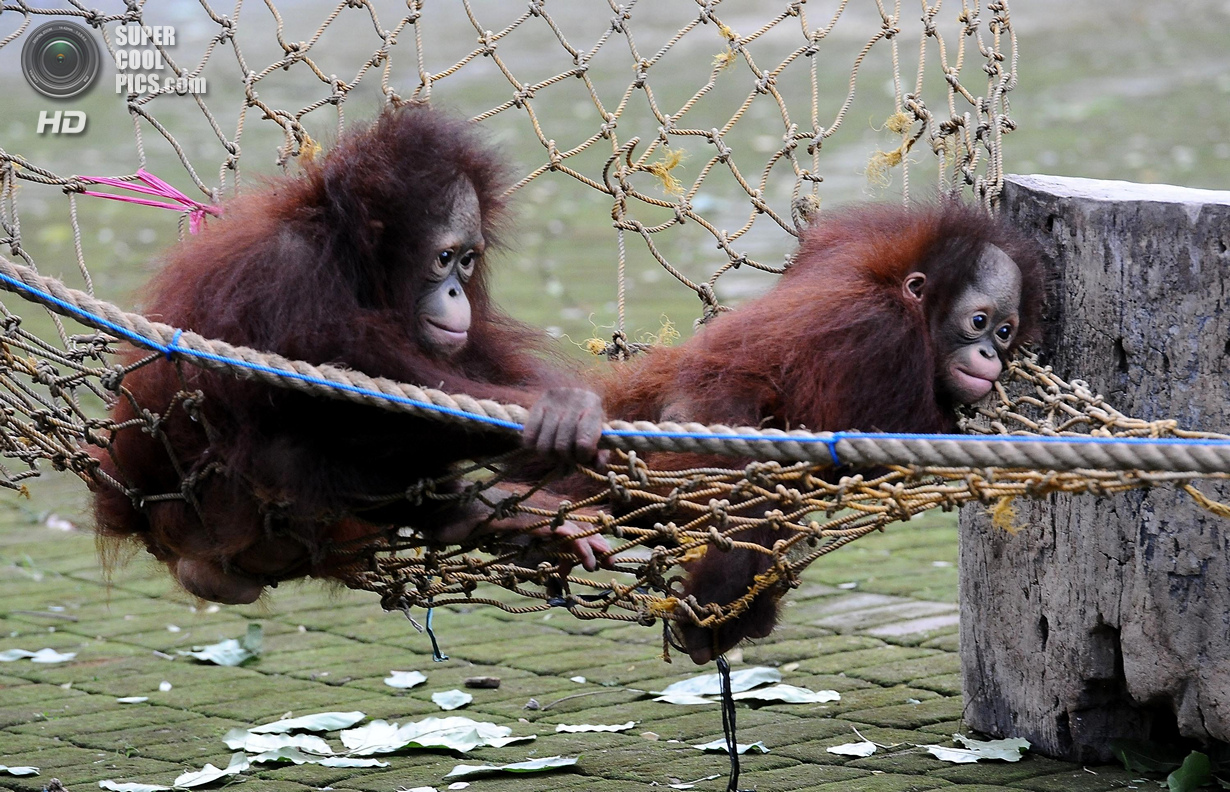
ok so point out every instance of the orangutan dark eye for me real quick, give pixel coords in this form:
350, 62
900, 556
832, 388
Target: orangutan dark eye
979, 321
446, 256
1004, 333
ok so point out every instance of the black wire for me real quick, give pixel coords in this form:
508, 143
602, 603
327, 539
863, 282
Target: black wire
728, 723
436, 655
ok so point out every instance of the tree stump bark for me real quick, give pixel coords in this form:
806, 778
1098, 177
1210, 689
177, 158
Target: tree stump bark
1109, 618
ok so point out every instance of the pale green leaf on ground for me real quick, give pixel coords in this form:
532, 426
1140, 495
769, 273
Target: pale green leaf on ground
405, 679
126, 786
52, 656
864, 748
451, 699
289, 753
710, 685
244, 740
348, 761
19, 771
1009, 750
789, 694
719, 746
531, 766
684, 699
41, 656
231, 652
132, 699
209, 773
379, 736
454, 733
321, 721
224, 653
586, 727
692, 784
954, 755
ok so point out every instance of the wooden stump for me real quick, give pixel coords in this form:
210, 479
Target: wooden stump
1109, 618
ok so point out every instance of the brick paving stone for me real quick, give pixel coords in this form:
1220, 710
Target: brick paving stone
705, 725
1078, 780
911, 716
905, 671
806, 648
882, 783
1002, 774
315, 776
193, 627
148, 740
17, 744
12, 717
874, 697
916, 631
946, 728
800, 776
122, 716
785, 731
223, 685
947, 643
565, 704
655, 760
906, 759
552, 660
87, 775
945, 684
450, 674
630, 674
810, 611
30, 693
624, 632
866, 618
839, 662
648, 715
688, 762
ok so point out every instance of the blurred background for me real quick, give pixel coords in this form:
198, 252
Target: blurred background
1111, 89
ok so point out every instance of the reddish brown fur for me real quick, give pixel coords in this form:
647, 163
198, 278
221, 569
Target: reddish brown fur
834, 346
319, 267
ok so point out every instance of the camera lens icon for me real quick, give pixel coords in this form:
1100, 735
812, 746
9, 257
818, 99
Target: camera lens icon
60, 59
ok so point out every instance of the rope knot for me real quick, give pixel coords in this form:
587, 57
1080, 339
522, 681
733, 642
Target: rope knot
417, 492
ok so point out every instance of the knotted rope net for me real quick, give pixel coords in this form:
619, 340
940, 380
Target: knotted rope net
690, 125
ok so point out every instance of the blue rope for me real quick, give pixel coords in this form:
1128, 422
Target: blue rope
174, 345
830, 440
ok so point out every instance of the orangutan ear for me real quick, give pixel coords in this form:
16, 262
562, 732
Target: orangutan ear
913, 286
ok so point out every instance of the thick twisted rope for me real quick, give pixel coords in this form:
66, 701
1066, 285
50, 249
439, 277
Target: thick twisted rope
1183, 455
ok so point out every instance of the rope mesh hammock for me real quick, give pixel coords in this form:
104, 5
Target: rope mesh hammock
1038, 434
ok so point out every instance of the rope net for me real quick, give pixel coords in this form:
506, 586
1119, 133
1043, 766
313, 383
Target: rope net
720, 124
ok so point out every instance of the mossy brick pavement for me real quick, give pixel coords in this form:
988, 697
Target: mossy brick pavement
875, 621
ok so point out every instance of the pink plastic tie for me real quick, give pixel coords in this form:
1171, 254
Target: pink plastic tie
152, 185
